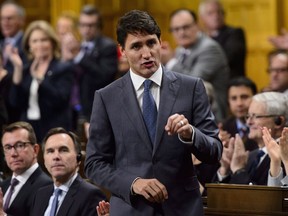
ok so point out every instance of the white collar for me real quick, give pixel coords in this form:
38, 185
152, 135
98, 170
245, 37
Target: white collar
138, 80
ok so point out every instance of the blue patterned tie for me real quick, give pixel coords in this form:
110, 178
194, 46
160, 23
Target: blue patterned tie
149, 110
54, 207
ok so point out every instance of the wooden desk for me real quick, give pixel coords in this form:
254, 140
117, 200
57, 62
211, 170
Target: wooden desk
227, 199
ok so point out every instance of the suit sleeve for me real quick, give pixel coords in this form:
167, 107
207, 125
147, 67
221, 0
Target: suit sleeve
206, 147
99, 164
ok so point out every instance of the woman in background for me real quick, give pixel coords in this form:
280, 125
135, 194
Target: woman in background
42, 88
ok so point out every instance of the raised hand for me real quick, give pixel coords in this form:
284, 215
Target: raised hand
280, 41
103, 208
15, 58
273, 150
240, 155
223, 135
283, 143
179, 124
227, 157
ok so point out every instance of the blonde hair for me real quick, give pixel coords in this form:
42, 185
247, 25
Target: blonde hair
48, 30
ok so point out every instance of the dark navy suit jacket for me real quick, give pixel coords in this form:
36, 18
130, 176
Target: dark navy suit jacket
53, 96
23, 202
233, 42
80, 200
98, 69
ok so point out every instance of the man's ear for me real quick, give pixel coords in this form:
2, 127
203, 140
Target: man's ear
36, 148
122, 51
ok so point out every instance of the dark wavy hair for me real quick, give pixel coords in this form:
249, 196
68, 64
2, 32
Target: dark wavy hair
135, 22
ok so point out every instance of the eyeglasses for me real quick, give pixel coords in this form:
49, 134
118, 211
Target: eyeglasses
278, 70
184, 28
255, 116
18, 146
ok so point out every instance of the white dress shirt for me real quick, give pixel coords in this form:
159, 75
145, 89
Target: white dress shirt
22, 180
65, 187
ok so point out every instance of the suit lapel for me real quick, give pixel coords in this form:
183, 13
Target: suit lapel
69, 198
45, 197
133, 110
262, 169
26, 188
168, 93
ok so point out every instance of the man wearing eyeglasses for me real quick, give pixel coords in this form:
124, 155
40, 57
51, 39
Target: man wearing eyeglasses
268, 109
278, 71
21, 150
95, 63
197, 55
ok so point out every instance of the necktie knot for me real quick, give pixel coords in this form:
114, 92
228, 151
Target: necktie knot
14, 182
57, 192
260, 154
147, 84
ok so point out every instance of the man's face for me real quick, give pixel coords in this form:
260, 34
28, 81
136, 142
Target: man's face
239, 98
142, 53
60, 157
19, 160
256, 123
88, 26
11, 22
278, 73
184, 29
212, 16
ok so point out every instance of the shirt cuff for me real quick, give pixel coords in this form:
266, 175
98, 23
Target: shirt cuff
221, 177
192, 137
131, 188
284, 181
275, 181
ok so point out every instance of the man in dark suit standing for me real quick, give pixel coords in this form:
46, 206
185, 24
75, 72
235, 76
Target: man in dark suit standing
21, 150
141, 139
231, 39
75, 196
96, 60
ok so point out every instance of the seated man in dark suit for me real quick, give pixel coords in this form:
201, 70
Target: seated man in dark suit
231, 39
268, 109
75, 196
240, 93
21, 150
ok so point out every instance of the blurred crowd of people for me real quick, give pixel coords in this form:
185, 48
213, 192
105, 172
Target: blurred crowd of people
48, 77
